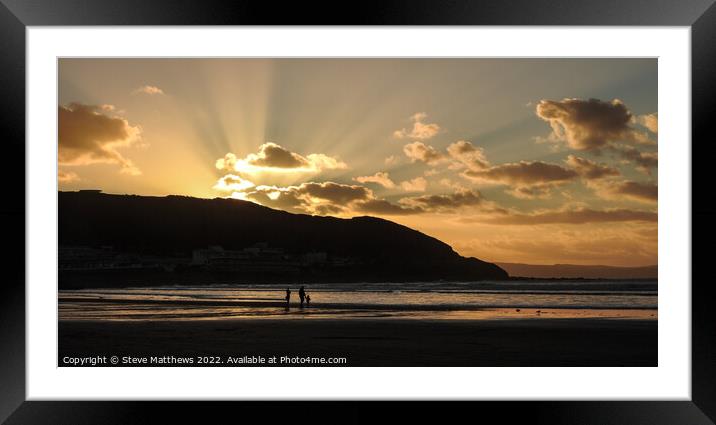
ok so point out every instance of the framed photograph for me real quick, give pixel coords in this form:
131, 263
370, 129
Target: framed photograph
462, 202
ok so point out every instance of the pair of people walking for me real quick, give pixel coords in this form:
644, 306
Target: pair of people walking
301, 295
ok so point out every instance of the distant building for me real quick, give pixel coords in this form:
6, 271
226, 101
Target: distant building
85, 258
257, 258
215, 253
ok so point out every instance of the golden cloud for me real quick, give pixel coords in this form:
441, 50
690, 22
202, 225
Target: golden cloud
420, 152
418, 184
590, 170
382, 178
272, 157
420, 130
468, 155
87, 135
232, 183
150, 90
650, 121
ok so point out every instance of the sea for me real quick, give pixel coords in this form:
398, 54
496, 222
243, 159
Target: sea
500, 300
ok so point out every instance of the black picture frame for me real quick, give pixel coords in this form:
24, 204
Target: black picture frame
16, 15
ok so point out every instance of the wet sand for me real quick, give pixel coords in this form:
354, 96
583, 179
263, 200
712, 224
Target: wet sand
374, 342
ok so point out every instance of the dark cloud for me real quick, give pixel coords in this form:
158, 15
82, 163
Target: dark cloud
573, 216
590, 124
88, 135
523, 173
642, 192
383, 207
445, 202
335, 192
288, 200
328, 209
336, 198
589, 169
273, 155
312, 198
644, 161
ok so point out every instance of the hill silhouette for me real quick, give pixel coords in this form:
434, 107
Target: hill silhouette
173, 226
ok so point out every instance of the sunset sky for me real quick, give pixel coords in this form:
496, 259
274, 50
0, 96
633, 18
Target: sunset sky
538, 161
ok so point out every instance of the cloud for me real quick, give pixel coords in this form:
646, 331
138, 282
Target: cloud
335, 192
420, 152
445, 202
232, 183
650, 121
87, 135
423, 204
337, 198
531, 192
418, 184
641, 192
272, 157
381, 178
420, 130
327, 209
311, 197
587, 125
528, 179
320, 161
592, 125
227, 163
150, 90
644, 161
590, 170
392, 160
67, 176
383, 207
288, 199
523, 173
468, 155
451, 184
579, 215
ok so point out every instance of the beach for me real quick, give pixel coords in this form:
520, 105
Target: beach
388, 324
373, 342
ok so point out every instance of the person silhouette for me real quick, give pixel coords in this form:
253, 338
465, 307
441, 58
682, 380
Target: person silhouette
301, 295
308, 300
288, 296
